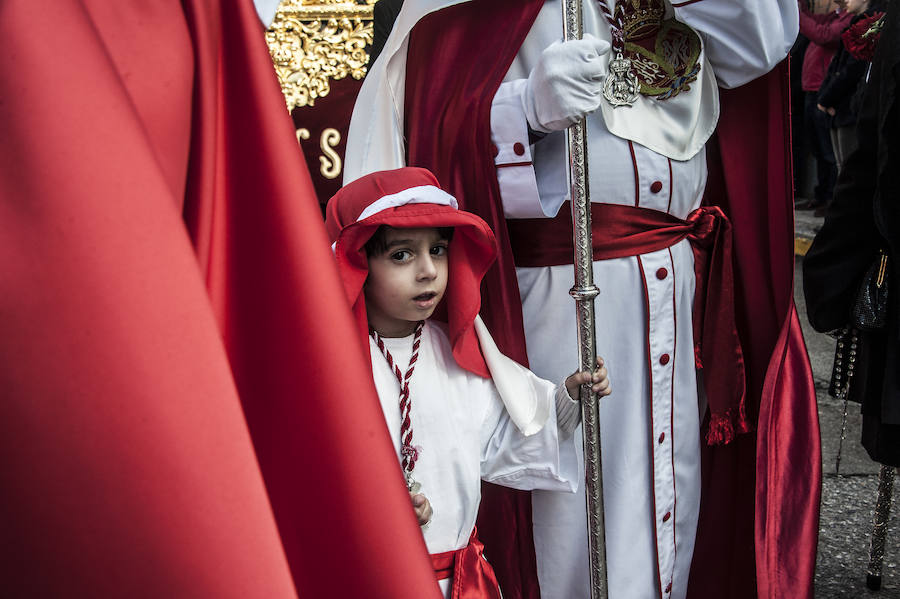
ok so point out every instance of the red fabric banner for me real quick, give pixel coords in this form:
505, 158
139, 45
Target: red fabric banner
178, 419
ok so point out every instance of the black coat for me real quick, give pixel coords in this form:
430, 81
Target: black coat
841, 83
863, 218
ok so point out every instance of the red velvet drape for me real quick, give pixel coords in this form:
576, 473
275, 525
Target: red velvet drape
178, 420
750, 171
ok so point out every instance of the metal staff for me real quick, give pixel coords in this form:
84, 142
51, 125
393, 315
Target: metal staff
879, 526
584, 293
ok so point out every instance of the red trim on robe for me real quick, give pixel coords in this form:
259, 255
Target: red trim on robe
646, 298
671, 185
672, 402
637, 177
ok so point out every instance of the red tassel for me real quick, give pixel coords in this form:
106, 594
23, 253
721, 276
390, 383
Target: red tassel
721, 432
724, 427
698, 363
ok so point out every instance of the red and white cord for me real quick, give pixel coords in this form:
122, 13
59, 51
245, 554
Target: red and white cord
408, 453
616, 26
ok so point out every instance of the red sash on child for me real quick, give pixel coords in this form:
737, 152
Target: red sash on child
620, 231
473, 576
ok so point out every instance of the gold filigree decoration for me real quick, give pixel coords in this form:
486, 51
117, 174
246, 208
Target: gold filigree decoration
313, 42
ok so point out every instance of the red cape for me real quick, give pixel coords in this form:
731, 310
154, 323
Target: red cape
761, 491
167, 295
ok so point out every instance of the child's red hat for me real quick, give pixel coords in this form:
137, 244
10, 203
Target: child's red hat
412, 198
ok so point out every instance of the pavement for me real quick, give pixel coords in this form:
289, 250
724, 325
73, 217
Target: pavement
848, 498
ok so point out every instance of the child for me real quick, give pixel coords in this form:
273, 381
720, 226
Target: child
458, 410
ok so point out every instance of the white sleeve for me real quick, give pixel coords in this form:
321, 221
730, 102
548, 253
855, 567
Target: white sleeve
568, 412
543, 460
743, 39
512, 154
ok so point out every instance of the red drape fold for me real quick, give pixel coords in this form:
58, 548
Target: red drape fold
311, 407
130, 377
473, 577
126, 468
749, 161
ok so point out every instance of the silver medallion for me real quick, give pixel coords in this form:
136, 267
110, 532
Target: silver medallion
413, 485
622, 86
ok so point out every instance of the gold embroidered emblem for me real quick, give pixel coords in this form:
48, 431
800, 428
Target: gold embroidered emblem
664, 54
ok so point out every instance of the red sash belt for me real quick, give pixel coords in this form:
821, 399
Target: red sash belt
620, 231
473, 577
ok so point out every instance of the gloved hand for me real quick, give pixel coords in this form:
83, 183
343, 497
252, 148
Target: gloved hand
566, 84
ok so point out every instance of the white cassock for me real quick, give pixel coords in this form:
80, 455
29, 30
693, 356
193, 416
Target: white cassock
465, 435
650, 425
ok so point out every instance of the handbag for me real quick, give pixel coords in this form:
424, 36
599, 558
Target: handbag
870, 308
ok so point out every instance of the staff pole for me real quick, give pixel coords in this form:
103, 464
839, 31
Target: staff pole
584, 293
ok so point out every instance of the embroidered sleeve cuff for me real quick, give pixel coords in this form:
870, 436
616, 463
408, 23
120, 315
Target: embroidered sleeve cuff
512, 153
568, 413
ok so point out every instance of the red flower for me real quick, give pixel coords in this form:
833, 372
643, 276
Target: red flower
861, 38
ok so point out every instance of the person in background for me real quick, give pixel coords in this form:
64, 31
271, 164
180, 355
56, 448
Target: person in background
860, 224
824, 34
840, 92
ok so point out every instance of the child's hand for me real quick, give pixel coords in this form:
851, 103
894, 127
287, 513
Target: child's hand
422, 507
600, 381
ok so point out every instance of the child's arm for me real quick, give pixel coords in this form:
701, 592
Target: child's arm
568, 410
545, 459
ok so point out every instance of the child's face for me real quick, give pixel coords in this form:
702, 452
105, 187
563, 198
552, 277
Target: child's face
406, 281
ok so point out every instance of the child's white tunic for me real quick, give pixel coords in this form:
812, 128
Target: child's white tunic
465, 435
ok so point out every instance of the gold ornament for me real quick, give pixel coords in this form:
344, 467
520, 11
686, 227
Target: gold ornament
315, 41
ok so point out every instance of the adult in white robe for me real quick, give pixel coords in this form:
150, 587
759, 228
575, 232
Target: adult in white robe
652, 156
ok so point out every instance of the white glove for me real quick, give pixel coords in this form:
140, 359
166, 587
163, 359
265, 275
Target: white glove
566, 84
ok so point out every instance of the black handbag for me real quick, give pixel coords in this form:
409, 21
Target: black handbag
870, 308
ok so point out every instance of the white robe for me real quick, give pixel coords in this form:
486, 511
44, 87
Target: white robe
465, 435
650, 425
